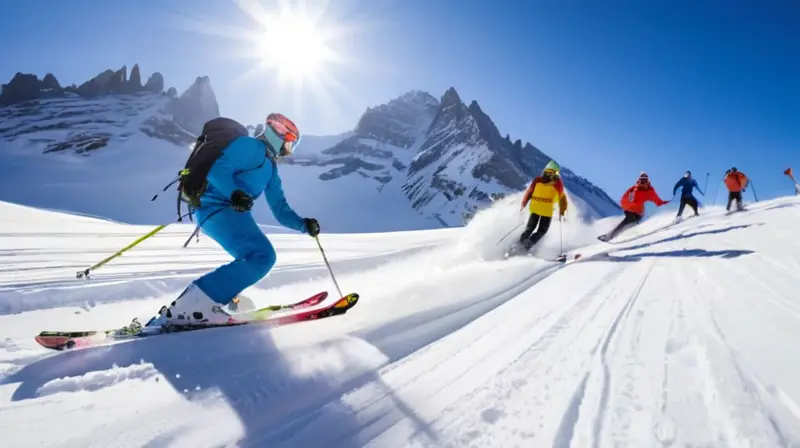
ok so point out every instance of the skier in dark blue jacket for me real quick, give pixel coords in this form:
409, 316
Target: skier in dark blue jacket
687, 184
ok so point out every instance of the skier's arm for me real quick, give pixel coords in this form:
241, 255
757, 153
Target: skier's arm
562, 197
224, 168
695, 185
675, 188
280, 208
527, 196
655, 198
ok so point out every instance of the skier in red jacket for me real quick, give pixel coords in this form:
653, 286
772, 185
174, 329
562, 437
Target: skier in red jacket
632, 203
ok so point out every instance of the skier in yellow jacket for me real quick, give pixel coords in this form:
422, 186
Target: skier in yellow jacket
543, 192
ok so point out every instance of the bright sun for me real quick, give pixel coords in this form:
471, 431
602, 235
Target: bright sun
292, 45
293, 41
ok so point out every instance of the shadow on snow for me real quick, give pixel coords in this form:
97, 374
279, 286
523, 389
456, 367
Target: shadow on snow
273, 402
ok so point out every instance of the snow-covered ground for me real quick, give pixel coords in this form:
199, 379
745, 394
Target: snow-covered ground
682, 337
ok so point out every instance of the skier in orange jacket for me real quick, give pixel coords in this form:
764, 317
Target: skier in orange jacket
542, 193
736, 183
632, 204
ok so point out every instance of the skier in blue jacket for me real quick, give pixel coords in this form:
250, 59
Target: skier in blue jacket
238, 177
687, 184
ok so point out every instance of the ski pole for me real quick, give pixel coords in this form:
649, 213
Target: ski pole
705, 187
716, 193
510, 231
328, 265
753, 188
561, 234
85, 273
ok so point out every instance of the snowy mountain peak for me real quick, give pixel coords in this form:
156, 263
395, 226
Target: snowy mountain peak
442, 159
107, 109
418, 97
400, 121
464, 163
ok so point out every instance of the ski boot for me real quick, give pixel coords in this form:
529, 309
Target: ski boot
194, 307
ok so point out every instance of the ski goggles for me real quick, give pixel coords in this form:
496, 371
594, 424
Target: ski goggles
286, 130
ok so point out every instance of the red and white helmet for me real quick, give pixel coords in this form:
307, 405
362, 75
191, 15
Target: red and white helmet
281, 134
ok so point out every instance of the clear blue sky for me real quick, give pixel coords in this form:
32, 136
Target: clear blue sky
609, 91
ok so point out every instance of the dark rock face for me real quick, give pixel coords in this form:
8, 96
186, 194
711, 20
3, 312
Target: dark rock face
155, 84
21, 88
197, 105
28, 87
135, 81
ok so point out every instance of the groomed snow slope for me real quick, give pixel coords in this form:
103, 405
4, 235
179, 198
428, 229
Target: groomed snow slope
683, 337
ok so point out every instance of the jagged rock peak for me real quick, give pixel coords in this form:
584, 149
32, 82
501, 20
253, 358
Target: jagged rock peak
25, 87
28, 87
195, 106
135, 81
50, 82
156, 83
450, 97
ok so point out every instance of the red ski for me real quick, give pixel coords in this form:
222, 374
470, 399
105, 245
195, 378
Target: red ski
304, 310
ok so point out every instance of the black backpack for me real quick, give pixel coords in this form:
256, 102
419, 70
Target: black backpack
217, 134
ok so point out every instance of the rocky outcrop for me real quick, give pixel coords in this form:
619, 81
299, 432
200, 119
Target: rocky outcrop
135, 81
195, 106
27, 87
155, 84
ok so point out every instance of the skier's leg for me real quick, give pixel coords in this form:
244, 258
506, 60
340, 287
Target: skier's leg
629, 220
533, 220
681, 206
731, 195
544, 225
738, 196
253, 255
692, 201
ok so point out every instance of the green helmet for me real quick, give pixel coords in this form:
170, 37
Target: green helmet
552, 166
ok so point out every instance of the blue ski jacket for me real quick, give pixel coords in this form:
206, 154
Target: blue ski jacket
687, 185
244, 165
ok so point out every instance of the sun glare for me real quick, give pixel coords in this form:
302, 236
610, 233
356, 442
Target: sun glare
291, 44
296, 45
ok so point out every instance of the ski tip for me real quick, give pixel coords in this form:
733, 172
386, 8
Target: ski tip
347, 301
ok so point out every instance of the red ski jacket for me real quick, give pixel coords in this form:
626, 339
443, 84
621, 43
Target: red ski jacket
635, 197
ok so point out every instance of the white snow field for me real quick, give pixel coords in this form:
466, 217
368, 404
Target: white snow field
685, 336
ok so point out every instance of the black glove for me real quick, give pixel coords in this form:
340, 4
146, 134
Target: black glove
312, 226
241, 201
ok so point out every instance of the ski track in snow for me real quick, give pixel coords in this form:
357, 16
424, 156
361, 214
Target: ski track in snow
676, 337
